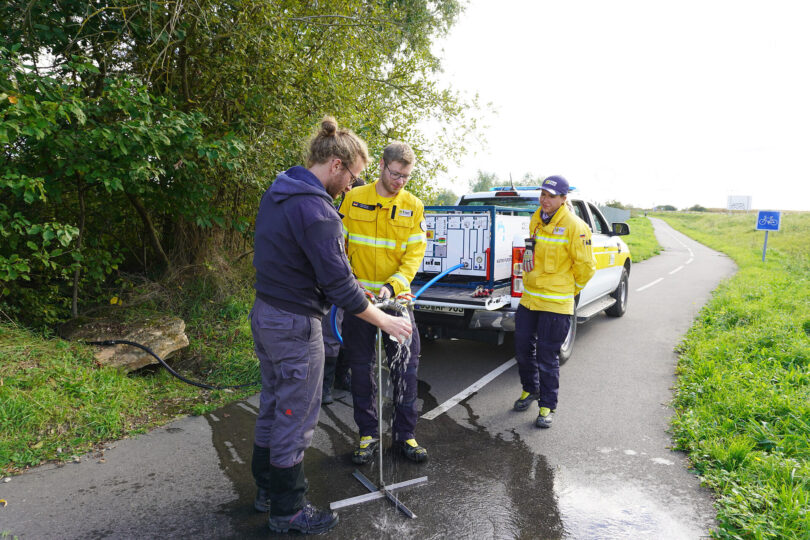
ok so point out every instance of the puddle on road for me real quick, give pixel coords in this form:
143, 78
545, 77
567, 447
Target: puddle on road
479, 485
622, 511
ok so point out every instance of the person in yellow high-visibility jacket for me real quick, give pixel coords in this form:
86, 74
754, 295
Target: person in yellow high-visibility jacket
384, 228
557, 264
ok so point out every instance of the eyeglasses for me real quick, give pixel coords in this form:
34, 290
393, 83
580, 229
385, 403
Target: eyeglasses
353, 177
396, 175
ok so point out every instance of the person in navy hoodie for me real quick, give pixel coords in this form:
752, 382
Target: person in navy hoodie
301, 269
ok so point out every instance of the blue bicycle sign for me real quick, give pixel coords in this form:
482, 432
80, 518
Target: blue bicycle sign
768, 221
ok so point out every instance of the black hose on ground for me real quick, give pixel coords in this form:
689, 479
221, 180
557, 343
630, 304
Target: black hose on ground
108, 342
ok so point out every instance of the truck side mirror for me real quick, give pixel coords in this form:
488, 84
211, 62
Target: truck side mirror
621, 229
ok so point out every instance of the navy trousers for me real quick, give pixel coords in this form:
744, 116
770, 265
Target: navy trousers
359, 345
538, 338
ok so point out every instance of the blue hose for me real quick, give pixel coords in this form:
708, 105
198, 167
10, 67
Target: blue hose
333, 312
333, 319
435, 279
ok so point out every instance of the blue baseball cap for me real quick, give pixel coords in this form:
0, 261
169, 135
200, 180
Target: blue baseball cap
556, 185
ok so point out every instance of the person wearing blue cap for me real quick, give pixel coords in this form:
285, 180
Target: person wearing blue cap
557, 264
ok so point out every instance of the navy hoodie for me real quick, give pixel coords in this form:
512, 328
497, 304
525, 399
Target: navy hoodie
299, 257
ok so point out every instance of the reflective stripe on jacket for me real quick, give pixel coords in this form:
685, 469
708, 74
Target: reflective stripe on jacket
563, 262
385, 238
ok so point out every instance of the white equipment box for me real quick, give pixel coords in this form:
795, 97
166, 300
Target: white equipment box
469, 238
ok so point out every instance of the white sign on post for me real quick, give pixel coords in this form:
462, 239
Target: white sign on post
739, 202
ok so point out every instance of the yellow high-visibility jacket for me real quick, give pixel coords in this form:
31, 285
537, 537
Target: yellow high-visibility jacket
563, 262
385, 238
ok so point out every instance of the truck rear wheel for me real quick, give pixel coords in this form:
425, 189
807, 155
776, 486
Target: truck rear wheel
620, 294
568, 345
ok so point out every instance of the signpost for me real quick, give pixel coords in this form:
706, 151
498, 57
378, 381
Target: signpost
768, 221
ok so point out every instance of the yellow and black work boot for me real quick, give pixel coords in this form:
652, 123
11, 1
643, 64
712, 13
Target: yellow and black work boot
411, 450
365, 451
525, 400
544, 418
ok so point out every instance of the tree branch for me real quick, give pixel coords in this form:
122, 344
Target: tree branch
150, 229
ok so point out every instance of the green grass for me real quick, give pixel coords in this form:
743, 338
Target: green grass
743, 395
641, 240
56, 402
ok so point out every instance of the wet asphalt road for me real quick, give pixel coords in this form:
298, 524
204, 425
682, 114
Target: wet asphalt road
604, 470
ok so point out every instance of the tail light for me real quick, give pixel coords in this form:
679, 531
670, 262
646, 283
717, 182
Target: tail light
487, 252
517, 271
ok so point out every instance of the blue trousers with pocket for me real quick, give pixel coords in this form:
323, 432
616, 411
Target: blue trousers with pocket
538, 338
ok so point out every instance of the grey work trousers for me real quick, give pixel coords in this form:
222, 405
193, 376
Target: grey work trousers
290, 350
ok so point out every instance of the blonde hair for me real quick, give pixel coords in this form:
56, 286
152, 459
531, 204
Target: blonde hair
331, 141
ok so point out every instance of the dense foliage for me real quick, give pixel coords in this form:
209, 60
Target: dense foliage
138, 135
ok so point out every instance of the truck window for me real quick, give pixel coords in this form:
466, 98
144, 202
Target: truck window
581, 213
601, 225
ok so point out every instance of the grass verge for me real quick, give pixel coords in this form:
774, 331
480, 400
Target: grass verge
743, 394
641, 240
57, 403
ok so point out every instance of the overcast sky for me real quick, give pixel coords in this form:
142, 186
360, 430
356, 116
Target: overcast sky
645, 102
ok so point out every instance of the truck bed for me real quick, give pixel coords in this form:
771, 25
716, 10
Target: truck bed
461, 297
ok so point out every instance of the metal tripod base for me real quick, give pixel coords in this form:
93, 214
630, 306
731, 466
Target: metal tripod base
379, 493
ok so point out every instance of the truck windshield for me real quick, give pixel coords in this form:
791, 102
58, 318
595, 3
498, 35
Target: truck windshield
514, 202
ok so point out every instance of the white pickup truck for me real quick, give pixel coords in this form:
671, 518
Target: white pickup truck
484, 232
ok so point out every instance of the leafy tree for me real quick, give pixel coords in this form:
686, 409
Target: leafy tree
697, 208
617, 204
483, 181
445, 197
141, 134
667, 208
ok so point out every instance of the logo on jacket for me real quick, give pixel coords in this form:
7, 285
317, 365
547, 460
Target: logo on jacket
559, 230
406, 213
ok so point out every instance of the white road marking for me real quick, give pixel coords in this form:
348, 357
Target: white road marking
648, 285
690, 260
248, 408
677, 269
234, 456
464, 394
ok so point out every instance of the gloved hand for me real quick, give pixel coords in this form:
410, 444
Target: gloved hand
528, 261
528, 255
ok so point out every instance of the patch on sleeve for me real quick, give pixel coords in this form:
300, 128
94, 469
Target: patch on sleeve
423, 225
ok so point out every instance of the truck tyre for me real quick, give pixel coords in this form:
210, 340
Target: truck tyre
567, 348
568, 345
620, 294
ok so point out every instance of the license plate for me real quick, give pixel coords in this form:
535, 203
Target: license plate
440, 309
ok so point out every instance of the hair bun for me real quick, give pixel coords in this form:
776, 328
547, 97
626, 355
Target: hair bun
328, 126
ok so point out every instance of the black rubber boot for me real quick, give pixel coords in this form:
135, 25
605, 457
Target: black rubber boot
260, 466
290, 509
329, 365
288, 489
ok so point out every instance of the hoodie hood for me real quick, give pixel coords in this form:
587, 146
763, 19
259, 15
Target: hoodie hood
296, 181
